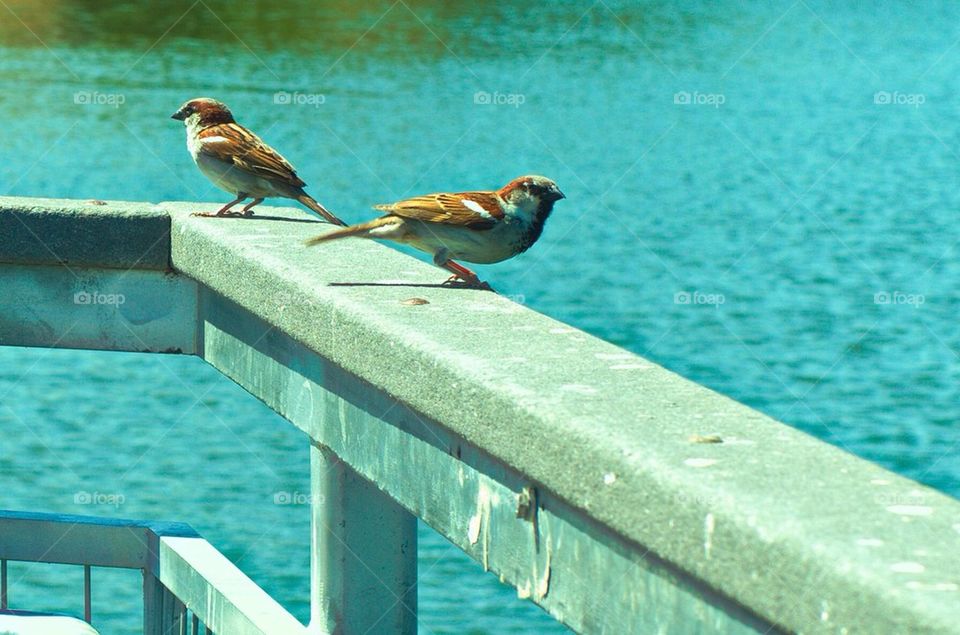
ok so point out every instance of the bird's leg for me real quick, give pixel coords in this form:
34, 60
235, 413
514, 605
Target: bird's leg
248, 209
225, 210
462, 273
442, 259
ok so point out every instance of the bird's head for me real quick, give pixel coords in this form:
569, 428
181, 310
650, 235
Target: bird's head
533, 194
203, 112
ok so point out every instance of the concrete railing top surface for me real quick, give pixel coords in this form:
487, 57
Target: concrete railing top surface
770, 516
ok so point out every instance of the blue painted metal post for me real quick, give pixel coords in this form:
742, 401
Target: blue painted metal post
364, 557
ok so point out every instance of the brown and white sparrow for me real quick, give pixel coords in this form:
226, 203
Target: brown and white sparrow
238, 161
482, 227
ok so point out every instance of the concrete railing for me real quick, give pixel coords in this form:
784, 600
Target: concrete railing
616, 495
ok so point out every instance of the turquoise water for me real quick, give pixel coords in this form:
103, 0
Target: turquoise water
810, 177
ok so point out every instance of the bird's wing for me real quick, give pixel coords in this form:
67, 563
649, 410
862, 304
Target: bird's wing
476, 210
232, 143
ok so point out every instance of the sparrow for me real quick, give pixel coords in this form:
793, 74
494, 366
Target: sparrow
238, 161
481, 227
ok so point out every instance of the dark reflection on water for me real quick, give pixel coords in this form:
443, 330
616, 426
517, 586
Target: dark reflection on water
301, 26
482, 30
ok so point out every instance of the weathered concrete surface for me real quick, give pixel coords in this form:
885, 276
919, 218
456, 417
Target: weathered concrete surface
806, 536
115, 235
551, 554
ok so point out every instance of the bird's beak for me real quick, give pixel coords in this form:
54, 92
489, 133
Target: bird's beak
559, 194
179, 115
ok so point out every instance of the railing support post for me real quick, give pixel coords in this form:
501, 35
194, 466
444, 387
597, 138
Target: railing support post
364, 554
152, 605
163, 612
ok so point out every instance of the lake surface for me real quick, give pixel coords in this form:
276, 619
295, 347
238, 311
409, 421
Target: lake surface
761, 198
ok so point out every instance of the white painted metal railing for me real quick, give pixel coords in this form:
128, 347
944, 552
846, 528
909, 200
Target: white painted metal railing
188, 586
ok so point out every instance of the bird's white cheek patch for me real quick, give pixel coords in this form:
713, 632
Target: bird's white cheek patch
475, 207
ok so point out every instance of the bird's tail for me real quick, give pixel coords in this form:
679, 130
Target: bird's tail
309, 201
362, 230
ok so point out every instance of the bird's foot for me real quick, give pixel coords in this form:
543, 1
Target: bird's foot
459, 282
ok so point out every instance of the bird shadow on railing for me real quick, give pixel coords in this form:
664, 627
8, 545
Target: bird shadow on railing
423, 285
283, 218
